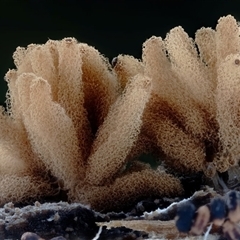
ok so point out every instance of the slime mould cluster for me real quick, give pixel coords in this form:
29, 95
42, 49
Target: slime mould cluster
76, 124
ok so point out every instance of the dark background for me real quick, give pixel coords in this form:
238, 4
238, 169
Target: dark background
113, 27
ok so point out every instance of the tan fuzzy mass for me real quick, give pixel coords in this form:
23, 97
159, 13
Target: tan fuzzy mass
21, 58
60, 64
127, 189
74, 118
42, 64
126, 67
12, 98
70, 90
37, 59
227, 37
144, 145
15, 188
161, 125
51, 131
228, 103
191, 72
155, 61
101, 86
119, 132
205, 39
171, 89
185, 153
16, 156
12, 145
70, 84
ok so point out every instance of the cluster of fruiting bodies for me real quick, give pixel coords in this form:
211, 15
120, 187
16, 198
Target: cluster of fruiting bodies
76, 124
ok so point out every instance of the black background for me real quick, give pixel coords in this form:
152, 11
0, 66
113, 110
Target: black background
113, 27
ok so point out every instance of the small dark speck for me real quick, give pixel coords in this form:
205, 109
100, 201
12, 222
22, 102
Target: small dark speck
237, 61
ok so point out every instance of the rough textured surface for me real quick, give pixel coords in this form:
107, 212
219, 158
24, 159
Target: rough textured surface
74, 124
75, 221
71, 122
48, 220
